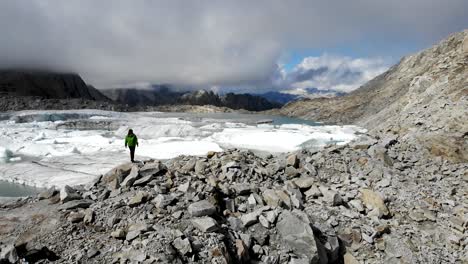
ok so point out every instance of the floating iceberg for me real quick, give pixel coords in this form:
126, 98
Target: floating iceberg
71, 147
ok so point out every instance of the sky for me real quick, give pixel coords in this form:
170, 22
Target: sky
238, 45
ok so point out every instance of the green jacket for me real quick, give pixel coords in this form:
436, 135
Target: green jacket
131, 140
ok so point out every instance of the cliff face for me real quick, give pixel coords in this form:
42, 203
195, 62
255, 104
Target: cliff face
47, 85
424, 96
161, 97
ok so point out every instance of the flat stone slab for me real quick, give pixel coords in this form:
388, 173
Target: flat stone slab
74, 204
201, 208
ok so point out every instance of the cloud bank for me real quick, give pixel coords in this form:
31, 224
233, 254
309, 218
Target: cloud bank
216, 43
329, 72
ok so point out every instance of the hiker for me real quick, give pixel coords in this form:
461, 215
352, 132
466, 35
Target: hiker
131, 141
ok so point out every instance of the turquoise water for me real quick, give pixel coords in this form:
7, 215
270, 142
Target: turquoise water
8, 189
238, 118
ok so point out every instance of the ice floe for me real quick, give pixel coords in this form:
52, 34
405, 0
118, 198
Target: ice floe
44, 148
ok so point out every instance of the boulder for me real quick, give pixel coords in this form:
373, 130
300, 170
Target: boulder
118, 233
131, 178
47, 193
162, 201
201, 208
182, 245
271, 198
75, 217
292, 161
118, 173
304, 182
74, 204
151, 169
8, 254
249, 219
242, 188
298, 235
67, 193
374, 201
139, 198
205, 224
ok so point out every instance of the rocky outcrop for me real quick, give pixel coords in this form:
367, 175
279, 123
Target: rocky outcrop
343, 205
152, 96
163, 97
47, 85
424, 96
247, 102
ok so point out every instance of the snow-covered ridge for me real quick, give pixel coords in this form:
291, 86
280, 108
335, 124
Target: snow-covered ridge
44, 148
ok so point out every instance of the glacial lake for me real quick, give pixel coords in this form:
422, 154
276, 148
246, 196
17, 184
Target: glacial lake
8, 189
45, 148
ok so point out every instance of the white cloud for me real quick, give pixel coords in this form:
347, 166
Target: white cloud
207, 43
332, 72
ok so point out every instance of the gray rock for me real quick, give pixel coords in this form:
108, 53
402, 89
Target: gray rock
118, 233
330, 196
9, 254
74, 204
144, 180
201, 208
304, 182
249, 219
162, 201
374, 201
205, 224
293, 161
182, 245
89, 216
47, 193
242, 188
92, 252
271, 216
131, 235
139, 198
151, 169
271, 198
264, 221
67, 193
118, 173
311, 169
200, 167
298, 235
186, 187
291, 172
75, 217
131, 178
314, 191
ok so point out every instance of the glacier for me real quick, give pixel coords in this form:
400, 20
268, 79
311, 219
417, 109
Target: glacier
55, 148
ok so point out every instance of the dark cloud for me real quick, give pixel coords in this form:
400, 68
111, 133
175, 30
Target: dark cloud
207, 43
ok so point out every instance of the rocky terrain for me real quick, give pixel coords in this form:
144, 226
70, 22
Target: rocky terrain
372, 201
425, 96
163, 96
47, 85
10, 102
395, 195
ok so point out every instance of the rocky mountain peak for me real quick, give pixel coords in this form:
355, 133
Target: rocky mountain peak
424, 96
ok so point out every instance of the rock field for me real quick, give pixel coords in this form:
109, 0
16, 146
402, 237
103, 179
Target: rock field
372, 201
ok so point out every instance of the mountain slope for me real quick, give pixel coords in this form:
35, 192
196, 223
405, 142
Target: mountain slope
47, 85
424, 96
162, 95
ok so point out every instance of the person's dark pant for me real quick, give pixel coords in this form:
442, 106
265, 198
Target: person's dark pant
132, 153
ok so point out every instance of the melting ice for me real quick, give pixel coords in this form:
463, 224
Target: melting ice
45, 148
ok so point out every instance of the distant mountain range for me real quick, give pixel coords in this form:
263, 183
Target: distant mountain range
51, 85
163, 95
47, 85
